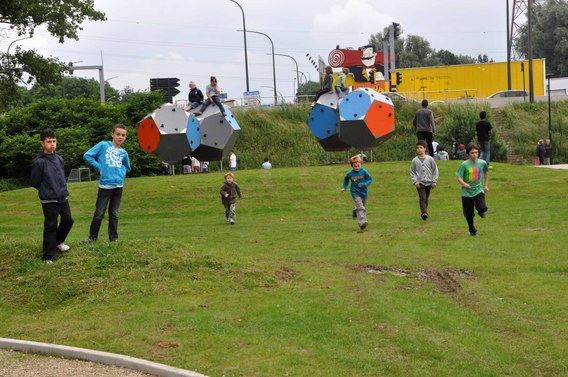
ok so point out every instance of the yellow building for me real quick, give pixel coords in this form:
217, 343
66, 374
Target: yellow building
469, 80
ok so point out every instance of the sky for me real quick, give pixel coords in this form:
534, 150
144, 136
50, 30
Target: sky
192, 40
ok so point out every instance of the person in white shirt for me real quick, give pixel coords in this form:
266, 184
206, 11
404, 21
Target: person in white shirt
233, 161
266, 164
195, 165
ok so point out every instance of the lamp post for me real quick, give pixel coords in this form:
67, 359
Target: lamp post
297, 71
14, 41
549, 115
245, 39
273, 62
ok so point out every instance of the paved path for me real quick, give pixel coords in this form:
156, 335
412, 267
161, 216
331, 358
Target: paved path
557, 166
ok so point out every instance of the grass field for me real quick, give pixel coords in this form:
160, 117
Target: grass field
294, 289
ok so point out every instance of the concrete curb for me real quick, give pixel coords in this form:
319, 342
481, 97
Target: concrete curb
107, 358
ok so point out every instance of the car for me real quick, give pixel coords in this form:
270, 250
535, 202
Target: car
509, 93
395, 97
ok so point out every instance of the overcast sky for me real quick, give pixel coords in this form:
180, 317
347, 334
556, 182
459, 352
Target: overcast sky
192, 40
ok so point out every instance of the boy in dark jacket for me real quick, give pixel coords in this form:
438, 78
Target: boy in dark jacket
229, 192
48, 177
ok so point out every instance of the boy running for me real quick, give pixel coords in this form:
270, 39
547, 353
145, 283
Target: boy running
473, 176
424, 175
360, 179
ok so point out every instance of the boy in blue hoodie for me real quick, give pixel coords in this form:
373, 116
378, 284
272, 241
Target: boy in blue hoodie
48, 177
113, 163
360, 179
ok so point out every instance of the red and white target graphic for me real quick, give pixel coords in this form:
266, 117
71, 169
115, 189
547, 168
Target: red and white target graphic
336, 58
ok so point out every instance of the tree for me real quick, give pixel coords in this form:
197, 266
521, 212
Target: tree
68, 88
62, 20
549, 36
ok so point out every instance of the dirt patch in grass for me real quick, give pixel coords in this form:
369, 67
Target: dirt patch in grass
446, 281
165, 344
286, 273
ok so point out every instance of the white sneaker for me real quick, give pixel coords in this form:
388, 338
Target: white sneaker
63, 247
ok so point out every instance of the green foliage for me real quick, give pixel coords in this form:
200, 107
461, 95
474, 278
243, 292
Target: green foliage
69, 87
61, 20
527, 123
549, 35
79, 124
293, 288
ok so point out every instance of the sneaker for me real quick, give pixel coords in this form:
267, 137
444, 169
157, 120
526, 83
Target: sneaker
354, 215
198, 113
48, 261
114, 240
224, 114
483, 214
424, 216
473, 234
232, 222
490, 166
363, 225
88, 240
62, 247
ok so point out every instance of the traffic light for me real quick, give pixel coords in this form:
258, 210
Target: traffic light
398, 78
70, 68
167, 86
396, 28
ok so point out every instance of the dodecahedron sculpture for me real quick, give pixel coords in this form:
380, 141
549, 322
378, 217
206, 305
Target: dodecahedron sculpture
164, 133
217, 134
366, 119
324, 122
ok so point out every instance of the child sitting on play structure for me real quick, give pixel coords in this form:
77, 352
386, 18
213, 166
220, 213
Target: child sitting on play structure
212, 92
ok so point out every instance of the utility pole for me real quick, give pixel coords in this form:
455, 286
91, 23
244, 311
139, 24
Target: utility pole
531, 83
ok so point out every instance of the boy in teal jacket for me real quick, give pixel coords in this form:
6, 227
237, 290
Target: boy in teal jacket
360, 179
113, 163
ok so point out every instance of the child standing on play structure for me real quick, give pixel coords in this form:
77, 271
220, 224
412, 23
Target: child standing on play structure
229, 192
360, 179
212, 92
113, 163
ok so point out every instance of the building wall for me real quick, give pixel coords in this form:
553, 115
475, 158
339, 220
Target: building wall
469, 80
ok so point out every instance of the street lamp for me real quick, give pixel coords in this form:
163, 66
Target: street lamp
549, 114
273, 62
14, 41
297, 71
245, 38
281, 95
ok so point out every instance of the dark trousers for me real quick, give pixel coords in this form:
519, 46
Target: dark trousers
319, 93
217, 102
110, 197
427, 136
53, 234
469, 204
423, 195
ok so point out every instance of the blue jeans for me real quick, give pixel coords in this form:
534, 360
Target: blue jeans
486, 151
103, 198
216, 101
53, 234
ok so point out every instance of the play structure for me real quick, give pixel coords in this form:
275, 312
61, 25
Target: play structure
363, 120
172, 133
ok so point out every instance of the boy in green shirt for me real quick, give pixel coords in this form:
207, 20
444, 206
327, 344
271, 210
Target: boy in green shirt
473, 176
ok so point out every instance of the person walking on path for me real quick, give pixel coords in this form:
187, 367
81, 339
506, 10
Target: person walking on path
540, 151
424, 175
48, 178
425, 126
547, 152
484, 130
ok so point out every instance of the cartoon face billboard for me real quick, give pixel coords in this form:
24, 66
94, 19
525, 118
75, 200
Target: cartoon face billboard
365, 65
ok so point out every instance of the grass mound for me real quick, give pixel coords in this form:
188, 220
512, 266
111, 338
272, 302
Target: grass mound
293, 288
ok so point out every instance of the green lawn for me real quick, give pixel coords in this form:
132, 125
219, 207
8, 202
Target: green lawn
294, 288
